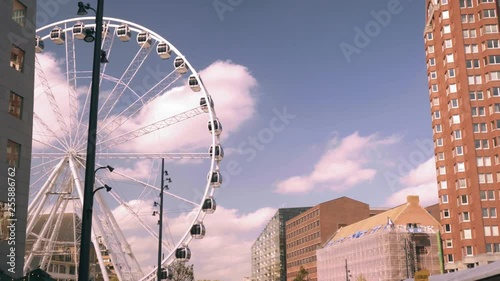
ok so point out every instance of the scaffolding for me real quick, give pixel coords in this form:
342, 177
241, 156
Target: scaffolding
392, 254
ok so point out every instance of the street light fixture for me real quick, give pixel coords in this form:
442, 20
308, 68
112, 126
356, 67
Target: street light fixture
88, 192
108, 188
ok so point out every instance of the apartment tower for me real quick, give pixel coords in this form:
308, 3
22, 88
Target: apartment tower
462, 45
17, 67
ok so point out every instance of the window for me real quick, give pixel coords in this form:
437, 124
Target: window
492, 44
439, 128
464, 200
490, 13
429, 36
449, 243
450, 258
487, 231
433, 75
442, 170
474, 79
449, 58
469, 49
15, 105
17, 58
430, 49
465, 3
434, 88
453, 87
461, 183
444, 198
489, 28
432, 61
467, 18
455, 119
454, 103
448, 43
443, 184
469, 33
485, 212
465, 216
447, 29
494, 59
440, 156
446, 213
13, 152
493, 212
446, 14
467, 234
459, 150
472, 63
468, 251
439, 142
447, 228
494, 75
437, 115
494, 92
19, 13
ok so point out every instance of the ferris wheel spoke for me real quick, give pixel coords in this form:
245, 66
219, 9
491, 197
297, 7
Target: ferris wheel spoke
151, 128
47, 144
158, 89
125, 79
50, 96
136, 216
71, 81
46, 128
155, 188
152, 155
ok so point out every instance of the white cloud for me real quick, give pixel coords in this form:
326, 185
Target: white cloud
230, 235
232, 89
345, 164
420, 181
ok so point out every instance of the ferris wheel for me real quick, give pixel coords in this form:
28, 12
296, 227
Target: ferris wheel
151, 102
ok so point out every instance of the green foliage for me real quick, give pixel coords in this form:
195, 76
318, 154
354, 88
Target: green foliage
302, 275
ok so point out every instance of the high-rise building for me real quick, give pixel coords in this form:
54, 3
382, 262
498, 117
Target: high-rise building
306, 232
269, 250
17, 68
462, 43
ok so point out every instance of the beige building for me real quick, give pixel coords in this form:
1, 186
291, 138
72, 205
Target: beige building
390, 246
462, 44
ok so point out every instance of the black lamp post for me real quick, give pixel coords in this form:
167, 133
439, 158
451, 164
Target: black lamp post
83, 269
159, 273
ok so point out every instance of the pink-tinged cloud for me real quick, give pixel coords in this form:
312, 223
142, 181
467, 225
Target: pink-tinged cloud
232, 88
344, 165
228, 241
420, 181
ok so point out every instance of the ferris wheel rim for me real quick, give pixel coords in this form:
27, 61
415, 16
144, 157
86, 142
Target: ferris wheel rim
199, 215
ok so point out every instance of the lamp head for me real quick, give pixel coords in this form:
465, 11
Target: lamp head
82, 9
103, 57
108, 188
111, 169
89, 35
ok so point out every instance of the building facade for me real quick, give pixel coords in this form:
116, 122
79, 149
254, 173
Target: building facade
307, 231
390, 246
269, 250
462, 45
17, 18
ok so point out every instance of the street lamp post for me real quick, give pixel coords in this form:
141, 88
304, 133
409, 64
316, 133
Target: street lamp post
159, 273
83, 269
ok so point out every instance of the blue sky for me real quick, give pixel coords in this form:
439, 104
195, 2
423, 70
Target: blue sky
292, 50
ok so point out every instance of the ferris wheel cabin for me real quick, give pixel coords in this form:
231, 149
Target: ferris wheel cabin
79, 30
219, 152
180, 65
57, 35
204, 105
39, 45
216, 128
163, 50
198, 230
123, 33
193, 83
183, 254
215, 179
144, 39
209, 206
166, 274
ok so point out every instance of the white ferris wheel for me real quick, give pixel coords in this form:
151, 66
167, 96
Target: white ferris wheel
149, 92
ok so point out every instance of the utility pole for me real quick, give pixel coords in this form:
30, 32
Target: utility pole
164, 173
